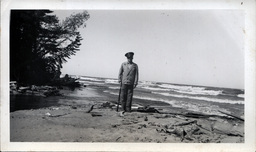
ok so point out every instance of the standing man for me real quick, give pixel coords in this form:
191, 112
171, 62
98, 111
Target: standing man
128, 77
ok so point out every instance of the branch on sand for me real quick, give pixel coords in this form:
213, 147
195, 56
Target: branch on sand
148, 109
231, 115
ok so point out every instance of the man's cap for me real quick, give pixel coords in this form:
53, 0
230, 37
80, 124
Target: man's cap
129, 55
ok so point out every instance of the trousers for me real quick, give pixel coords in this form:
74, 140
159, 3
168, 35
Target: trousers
126, 97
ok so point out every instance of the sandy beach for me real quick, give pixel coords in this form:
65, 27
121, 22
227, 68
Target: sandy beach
67, 118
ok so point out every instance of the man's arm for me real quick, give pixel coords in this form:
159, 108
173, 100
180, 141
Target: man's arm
136, 77
120, 74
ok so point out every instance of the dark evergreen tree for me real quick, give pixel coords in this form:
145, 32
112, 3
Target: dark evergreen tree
40, 44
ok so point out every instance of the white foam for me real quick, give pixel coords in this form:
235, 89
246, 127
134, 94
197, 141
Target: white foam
111, 81
114, 88
144, 98
190, 89
200, 92
147, 83
155, 89
90, 82
89, 79
240, 95
193, 106
202, 98
178, 87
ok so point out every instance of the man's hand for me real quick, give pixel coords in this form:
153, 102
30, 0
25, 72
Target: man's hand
135, 85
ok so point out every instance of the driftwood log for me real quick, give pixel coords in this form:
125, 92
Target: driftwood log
231, 115
148, 109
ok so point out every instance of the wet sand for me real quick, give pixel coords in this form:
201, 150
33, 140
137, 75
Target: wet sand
68, 120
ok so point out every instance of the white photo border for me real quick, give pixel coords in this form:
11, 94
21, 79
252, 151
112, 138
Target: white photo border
248, 6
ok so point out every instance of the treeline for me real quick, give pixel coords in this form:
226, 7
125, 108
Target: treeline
40, 44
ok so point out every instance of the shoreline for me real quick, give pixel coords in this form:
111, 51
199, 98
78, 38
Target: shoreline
70, 122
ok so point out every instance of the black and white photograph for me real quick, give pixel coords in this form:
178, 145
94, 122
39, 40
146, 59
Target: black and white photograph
128, 76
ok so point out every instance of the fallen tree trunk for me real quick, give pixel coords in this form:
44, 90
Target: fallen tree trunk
148, 109
190, 114
231, 115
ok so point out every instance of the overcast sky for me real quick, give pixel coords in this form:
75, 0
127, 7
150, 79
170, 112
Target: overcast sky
197, 47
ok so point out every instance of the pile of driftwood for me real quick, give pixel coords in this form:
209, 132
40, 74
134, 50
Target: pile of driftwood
33, 89
194, 130
196, 127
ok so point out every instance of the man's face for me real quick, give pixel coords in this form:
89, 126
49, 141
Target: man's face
130, 59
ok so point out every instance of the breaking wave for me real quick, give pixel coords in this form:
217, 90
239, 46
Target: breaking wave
191, 90
202, 98
90, 79
111, 81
